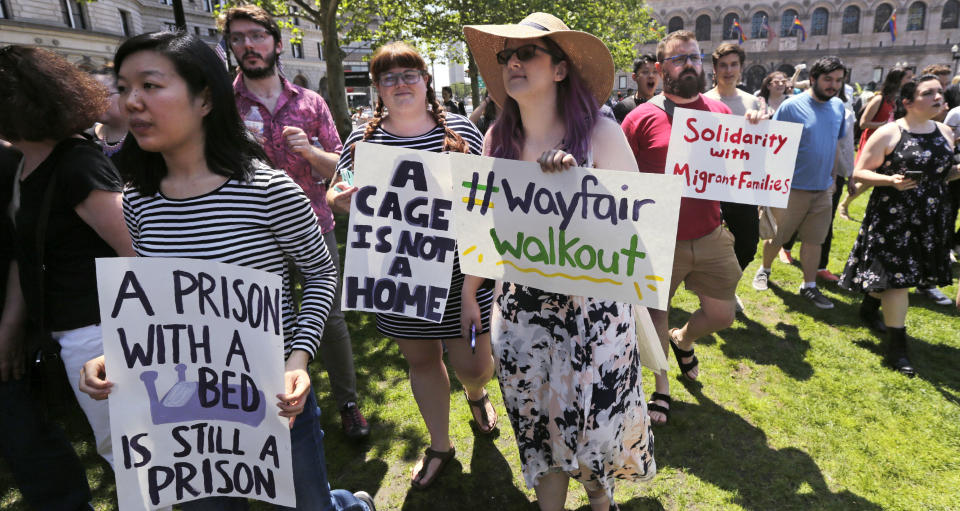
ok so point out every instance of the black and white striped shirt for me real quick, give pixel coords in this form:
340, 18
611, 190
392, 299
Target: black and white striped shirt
403, 327
253, 224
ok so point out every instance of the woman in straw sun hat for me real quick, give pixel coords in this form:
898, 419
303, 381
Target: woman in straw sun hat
568, 365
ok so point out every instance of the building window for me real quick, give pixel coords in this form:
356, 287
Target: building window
786, 23
297, 50
5, 10
881, 17
125, 26
166, 2
877, 74
294, 13
211, 32
676, 23
851, 20
916, 16
170, 26
73, 14
820, 20
951, 14
622, 82
320, 50
728, 31
208, 5
196, 30
703, 28
757, 29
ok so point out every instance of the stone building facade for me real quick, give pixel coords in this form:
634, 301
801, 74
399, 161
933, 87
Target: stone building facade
88, 33
855, 30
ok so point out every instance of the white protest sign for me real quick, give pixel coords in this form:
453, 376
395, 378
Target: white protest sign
195, 352
723, 157
586, 232
400, 242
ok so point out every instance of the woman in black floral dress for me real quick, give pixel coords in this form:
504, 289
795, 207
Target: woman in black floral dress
902, 242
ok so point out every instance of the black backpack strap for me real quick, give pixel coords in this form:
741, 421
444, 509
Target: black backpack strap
661, 102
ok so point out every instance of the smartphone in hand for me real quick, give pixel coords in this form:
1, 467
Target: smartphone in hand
916, 175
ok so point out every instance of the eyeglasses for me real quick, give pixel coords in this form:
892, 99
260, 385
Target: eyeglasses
255, 36
523, 53
409, 77
679, 60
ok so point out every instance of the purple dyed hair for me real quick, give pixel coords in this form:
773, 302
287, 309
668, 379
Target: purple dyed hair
575, 104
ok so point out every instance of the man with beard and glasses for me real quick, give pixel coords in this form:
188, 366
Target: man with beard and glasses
704, 259
299, 135
645, 74
810, 208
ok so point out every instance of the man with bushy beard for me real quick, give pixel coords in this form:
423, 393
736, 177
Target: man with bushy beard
298, 134
704, 259
809, 211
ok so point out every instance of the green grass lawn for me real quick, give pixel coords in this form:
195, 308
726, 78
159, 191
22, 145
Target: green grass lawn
794, 410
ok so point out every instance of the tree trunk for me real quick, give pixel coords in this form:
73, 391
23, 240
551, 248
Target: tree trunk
474, 83
336, 88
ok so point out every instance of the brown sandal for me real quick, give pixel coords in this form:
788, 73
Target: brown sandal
482, 405
428, 456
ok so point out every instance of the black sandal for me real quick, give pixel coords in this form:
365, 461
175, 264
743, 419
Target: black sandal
428, 456
654, 407
482, 405
679, 353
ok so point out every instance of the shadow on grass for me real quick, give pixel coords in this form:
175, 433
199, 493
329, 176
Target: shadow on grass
488, 485
754, 341
721, 448
935, 363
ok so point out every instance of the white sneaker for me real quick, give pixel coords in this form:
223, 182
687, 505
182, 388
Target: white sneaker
761, 280
936, 295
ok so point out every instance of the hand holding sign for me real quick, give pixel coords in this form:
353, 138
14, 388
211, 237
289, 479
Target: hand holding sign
93, 379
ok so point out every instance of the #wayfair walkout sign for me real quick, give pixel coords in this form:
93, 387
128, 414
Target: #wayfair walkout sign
723, 157
195, 352
585, 232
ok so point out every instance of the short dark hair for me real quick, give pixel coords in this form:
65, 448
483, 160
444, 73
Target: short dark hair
228, 150
726, 49
42, 96
646, 58
252, 13
936, 69
446, 88
681, 35
825, 66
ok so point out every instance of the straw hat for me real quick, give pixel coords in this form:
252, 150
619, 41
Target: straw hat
585, 52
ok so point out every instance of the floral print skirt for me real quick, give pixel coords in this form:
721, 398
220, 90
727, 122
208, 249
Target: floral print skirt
570, 376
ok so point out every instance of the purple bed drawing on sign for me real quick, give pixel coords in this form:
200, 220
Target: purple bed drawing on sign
205, 399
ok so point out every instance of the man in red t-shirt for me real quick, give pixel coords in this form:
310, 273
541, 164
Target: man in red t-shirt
704, 258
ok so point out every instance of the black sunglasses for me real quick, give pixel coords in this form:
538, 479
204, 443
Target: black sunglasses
524, 53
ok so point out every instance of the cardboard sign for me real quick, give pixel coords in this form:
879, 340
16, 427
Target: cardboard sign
400, 242
605, 234
723, 157
195, 352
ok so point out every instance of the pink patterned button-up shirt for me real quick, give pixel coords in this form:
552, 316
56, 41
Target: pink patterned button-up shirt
306, 110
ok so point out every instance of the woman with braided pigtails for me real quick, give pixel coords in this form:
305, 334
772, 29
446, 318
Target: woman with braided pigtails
409, 115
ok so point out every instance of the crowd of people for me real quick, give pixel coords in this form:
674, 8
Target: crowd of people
141, 159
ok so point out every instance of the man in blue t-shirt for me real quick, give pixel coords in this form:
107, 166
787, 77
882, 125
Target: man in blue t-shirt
809, 210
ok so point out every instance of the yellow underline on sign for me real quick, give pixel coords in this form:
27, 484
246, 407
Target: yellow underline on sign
558, 274
655, 277
637, 288
467, 251
478, 202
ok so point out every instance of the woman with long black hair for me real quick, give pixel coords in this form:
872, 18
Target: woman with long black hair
199, 187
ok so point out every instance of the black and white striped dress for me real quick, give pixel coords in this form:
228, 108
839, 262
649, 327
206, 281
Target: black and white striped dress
254, 224
402, 327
